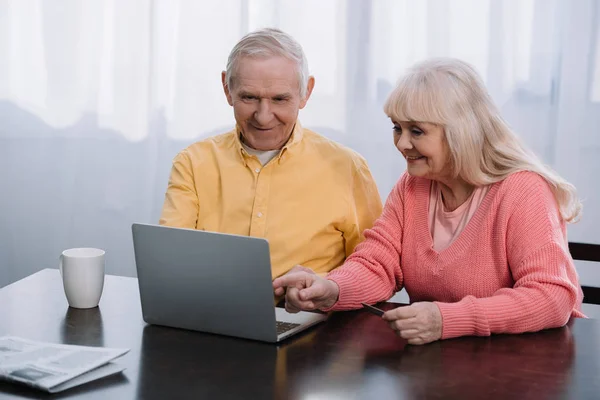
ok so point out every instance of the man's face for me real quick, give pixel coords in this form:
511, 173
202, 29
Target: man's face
266, 99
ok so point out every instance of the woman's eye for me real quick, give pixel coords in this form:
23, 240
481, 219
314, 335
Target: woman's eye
416, 132
397, 129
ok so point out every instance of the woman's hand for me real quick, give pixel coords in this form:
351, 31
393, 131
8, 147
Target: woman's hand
419, 323
306, 291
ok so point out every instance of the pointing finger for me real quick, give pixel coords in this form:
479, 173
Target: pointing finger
290, 280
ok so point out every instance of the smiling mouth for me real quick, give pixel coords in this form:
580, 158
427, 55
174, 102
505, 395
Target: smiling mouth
262, 129
413, 158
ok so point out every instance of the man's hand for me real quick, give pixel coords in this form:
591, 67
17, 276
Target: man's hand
419, 323
297, 268
306, 291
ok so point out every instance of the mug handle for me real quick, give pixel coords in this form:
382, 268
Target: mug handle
60, 264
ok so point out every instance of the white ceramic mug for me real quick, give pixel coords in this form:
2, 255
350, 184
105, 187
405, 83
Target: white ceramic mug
82, 271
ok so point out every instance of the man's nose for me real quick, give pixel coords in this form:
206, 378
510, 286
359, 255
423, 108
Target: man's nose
263, 114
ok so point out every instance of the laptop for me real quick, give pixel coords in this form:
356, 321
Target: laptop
211, 282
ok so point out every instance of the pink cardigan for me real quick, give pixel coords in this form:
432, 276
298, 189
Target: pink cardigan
509, 271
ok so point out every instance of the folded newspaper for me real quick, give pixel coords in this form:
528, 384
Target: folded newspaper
54, 367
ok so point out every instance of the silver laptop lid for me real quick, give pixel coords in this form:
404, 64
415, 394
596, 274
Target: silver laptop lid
205, 281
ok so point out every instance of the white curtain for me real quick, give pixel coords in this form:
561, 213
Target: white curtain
96, 98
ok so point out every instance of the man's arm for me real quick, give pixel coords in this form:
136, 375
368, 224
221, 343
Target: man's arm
181, 200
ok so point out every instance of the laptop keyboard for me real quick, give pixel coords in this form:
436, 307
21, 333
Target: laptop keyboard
283, 327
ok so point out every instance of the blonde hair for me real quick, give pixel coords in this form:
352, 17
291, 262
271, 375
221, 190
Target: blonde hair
484, 149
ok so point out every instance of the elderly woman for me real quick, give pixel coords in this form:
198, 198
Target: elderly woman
475, 229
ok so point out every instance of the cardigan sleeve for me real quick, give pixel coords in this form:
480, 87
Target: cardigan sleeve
546, 289
373, 273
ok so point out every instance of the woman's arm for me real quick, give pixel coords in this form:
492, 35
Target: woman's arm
372, 273
546, 289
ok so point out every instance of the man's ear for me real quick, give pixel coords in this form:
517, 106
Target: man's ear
226, 88
309, 88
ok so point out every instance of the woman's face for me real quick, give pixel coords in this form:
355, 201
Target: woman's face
424, 147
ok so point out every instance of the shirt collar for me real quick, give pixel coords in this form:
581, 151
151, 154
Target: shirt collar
295, 138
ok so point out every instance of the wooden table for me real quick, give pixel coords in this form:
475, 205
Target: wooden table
354, 355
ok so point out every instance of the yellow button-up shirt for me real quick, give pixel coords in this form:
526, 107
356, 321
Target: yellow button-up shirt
311, 202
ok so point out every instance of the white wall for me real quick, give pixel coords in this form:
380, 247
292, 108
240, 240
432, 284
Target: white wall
96, 99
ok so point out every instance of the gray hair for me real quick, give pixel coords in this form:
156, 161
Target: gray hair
264, 43
484, 149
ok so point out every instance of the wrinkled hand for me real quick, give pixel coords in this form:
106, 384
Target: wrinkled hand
419, 323
297, 268
306, 291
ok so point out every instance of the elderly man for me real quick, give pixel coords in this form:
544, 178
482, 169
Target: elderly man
310, 197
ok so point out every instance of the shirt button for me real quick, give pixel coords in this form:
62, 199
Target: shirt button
259, 214
257, 170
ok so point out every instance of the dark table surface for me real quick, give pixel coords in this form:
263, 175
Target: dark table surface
354, 355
